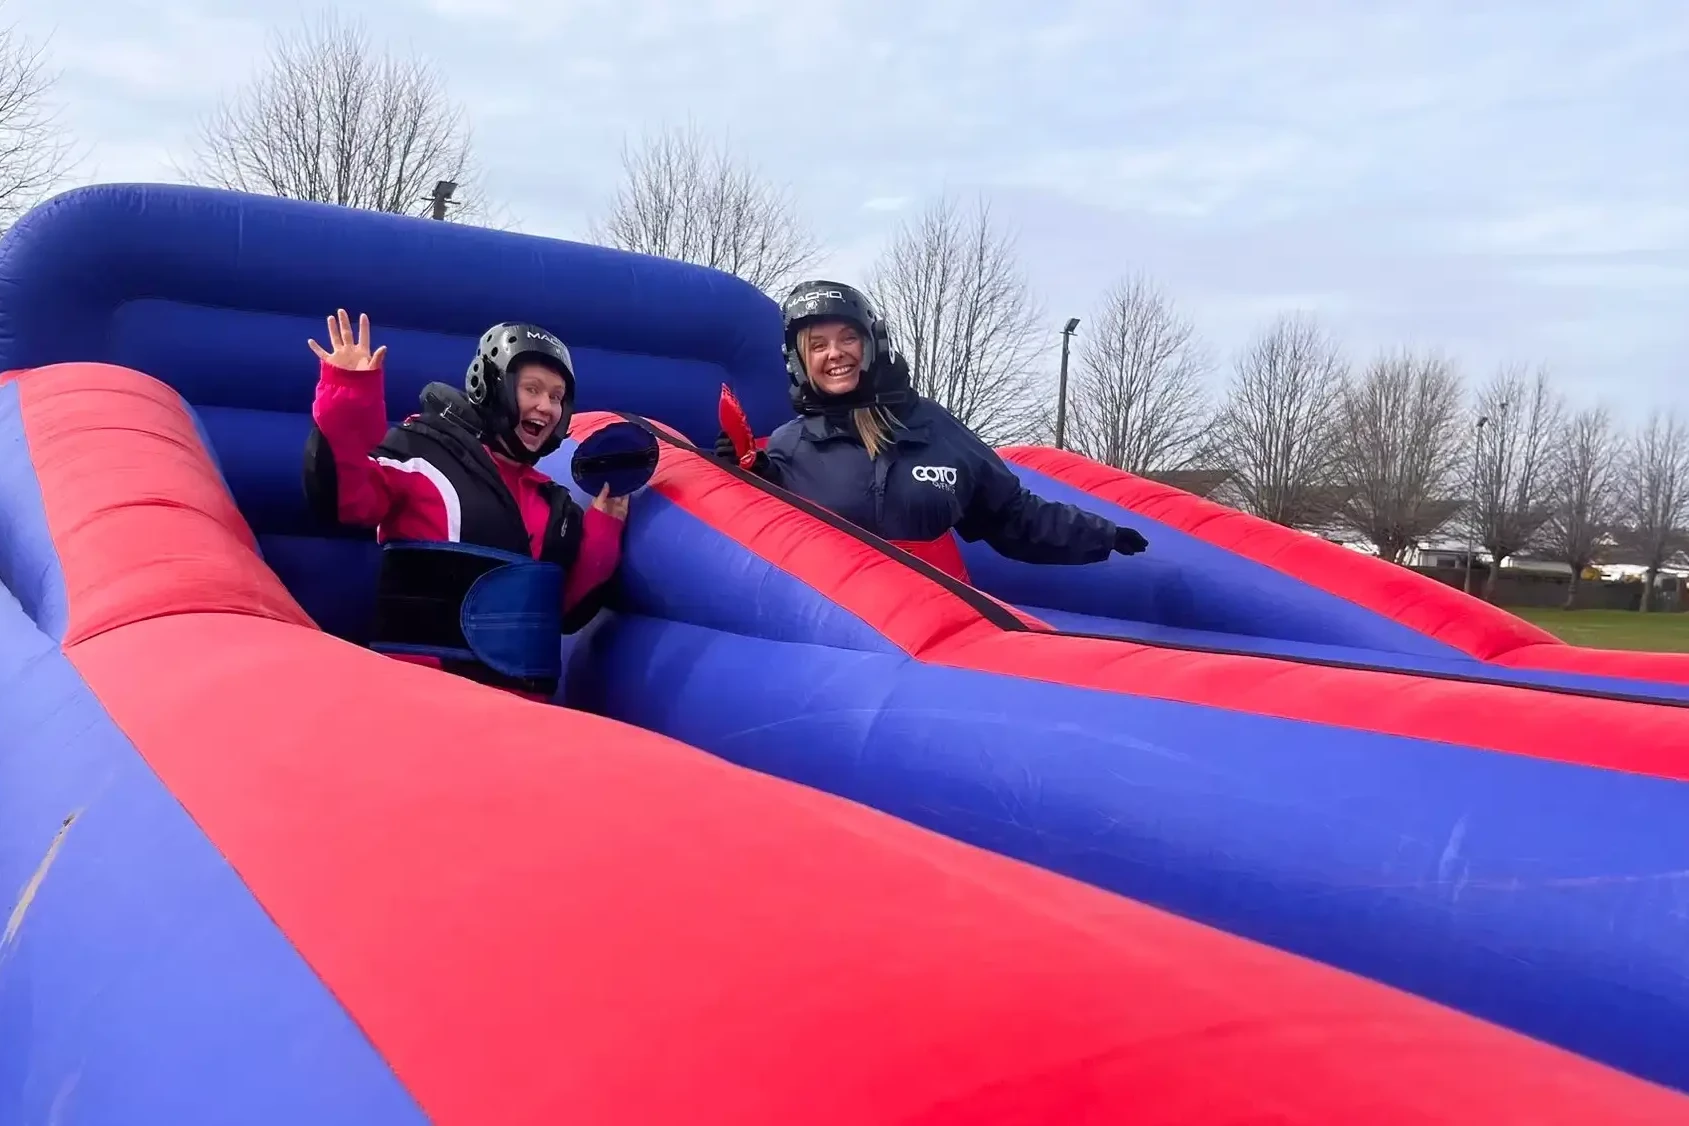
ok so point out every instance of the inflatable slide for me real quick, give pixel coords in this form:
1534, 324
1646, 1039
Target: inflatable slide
260, 875
259, 867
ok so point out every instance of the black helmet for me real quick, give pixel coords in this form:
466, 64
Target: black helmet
487, 384
814, 301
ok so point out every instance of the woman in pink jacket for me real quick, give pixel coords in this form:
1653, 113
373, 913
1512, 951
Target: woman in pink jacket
486, 561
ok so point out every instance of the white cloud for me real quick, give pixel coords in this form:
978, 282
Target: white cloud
1604, 228
1506, 178
1189, 178
170, 53
1647, 277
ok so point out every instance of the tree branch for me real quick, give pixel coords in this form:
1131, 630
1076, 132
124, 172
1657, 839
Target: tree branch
682, 198
335, 120
1655, 493
1276, 430
35, 154
959, 307
1137, 400
1512, 492
1399, 450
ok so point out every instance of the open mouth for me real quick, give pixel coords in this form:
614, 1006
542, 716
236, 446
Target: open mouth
836, 377
532, 429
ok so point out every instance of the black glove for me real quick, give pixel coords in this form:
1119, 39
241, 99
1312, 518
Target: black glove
890, 378
1128, 542
728, 455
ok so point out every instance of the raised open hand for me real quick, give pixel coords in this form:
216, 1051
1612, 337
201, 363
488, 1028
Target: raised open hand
349, 351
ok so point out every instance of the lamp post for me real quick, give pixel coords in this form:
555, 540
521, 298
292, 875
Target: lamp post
1472, 519
1061, 391
442, 197
1477, 462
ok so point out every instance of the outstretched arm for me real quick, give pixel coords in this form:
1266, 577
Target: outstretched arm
350, 415
1021, 525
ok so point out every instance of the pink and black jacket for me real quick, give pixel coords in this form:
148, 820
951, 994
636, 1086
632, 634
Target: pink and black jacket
432, 488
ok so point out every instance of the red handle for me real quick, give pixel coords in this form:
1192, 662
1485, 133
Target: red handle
737, 427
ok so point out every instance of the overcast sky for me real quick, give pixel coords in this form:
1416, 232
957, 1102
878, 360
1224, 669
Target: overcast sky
1505, 180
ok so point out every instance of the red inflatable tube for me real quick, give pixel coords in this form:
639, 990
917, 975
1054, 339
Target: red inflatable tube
897, 591
939, 624
1433, 608
537, 915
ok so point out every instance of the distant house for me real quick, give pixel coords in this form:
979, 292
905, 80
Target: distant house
1628, 563
1443, 551
1530, 565
1433, 551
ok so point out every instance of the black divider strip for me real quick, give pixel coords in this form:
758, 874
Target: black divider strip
1423, 674
989, 609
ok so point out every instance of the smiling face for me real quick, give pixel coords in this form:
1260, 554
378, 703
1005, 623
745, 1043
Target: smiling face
540, 392
832, 356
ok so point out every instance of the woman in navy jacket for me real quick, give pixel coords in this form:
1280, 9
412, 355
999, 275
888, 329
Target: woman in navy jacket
867, 447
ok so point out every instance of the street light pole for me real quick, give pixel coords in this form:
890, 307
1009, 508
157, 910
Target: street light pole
1061, 391
1477, 461
441, 197
1472, 517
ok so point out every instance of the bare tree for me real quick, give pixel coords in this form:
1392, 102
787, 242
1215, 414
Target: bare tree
1655, 494
684, 198
1399, 450
1581, 493
953, 292
34, 152
1275, 431
1518, 419
333, 119
1138, 401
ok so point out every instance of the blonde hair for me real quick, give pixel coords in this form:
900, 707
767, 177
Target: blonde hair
873, 425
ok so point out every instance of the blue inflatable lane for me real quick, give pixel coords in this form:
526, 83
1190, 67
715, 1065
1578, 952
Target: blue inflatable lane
134, 996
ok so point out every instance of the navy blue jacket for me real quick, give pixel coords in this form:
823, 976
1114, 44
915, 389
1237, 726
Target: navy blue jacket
937, 476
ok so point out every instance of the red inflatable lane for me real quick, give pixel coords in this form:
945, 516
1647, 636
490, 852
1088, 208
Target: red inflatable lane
1433, 608
936, 624
788, 532
539, 916
70, 441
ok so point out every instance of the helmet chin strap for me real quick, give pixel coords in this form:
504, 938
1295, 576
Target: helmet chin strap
512, 447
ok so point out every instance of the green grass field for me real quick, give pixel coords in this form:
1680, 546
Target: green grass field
1614, 629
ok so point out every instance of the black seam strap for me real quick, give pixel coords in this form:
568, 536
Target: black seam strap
997, 614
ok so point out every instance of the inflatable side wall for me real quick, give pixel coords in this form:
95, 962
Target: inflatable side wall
1270, 567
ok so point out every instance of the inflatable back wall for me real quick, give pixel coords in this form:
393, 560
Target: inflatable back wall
192, 285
